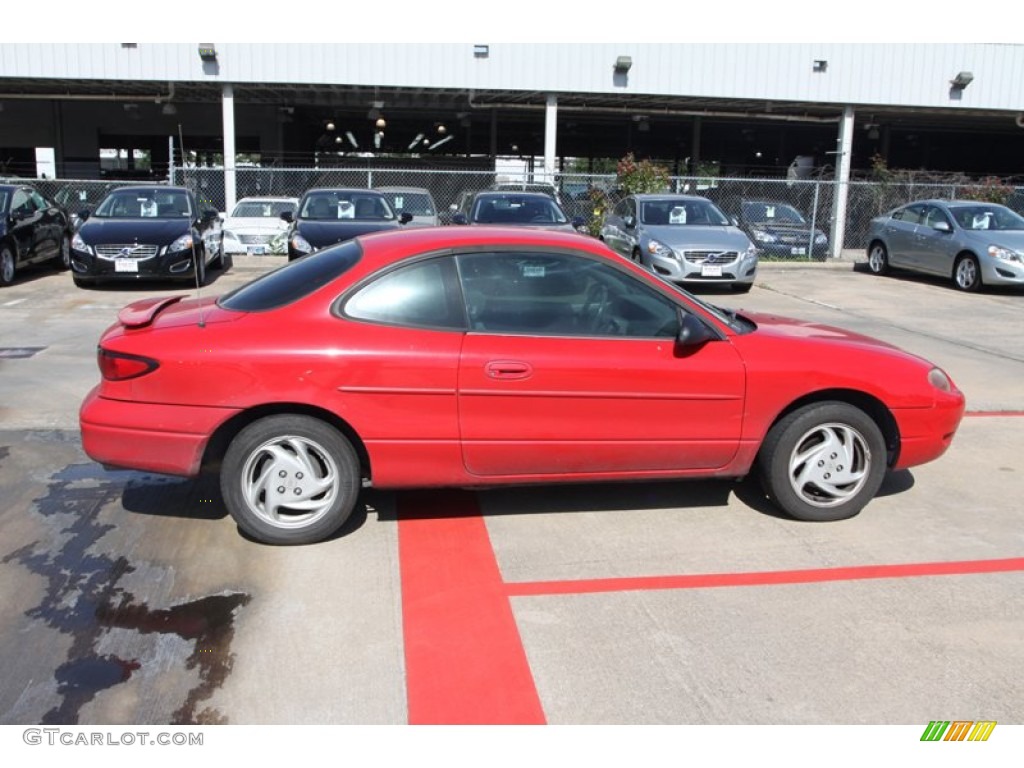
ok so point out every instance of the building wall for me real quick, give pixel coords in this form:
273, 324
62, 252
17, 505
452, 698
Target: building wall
879, 74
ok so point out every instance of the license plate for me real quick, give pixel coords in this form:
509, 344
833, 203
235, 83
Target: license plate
256, 250
715, 271
126, 265
798, 251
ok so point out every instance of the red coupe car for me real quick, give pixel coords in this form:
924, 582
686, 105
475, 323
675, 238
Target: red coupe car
486, 356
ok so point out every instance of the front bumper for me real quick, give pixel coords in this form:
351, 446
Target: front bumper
173, 264
742, 269
1001, 272
927, 433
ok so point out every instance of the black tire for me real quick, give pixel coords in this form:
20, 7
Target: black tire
742, 287
967, 274
823, 462
200, 274
637, 256
8, 265
317, 469
63, 259
878, 259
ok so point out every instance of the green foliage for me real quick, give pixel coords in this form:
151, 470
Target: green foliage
991, 189
636, 178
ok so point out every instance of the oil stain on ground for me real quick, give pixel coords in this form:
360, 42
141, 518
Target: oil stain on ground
85, 598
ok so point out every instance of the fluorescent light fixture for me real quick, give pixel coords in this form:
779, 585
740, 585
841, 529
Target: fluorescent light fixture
417, 140
437, 144
351, 139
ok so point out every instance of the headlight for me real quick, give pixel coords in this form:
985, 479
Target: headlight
79, 244
1006, 254
183, 243
820, 239
750, 253
938, 379
229, 235
299, 243
658, 249
763, 237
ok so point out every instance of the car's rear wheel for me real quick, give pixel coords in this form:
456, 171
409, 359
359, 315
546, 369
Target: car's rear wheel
824, 461
7, 266
967, 274
290, 479
878, 259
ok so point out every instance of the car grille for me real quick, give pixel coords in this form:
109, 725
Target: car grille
255, 239
128, 251
710, 257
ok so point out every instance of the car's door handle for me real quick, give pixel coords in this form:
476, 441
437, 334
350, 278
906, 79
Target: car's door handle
508, 369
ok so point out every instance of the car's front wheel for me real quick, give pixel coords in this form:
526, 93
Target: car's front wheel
64, 257
878, 259
967, 274
290, 479
7, 266
824, 461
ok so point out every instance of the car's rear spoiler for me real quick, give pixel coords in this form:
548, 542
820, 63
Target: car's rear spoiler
141, 313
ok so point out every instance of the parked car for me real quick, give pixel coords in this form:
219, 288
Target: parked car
527, 209
255, 226
489, 356
32, 230
682, 238
77, 197
329, 216
146, 232
972, 243
542, 187
416, 201
780, 231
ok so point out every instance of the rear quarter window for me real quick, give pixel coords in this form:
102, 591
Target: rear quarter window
294, 280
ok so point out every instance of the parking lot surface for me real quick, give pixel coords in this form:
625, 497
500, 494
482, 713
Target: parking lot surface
132, 598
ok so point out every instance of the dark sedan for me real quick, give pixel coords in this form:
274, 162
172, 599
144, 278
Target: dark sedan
780, 231
329, 216
32, 230
528, 209
145, 233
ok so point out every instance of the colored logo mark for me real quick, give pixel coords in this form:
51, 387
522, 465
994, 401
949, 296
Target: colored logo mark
958, 730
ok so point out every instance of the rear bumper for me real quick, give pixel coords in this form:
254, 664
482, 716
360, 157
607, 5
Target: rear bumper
168, 439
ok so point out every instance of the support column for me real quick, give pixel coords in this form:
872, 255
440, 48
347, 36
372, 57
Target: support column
228, 107
550, 137
842, 186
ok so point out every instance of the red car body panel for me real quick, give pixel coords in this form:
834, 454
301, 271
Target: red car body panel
466, 408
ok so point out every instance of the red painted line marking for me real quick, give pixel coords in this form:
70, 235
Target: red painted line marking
464, 659
994, 413
763, 578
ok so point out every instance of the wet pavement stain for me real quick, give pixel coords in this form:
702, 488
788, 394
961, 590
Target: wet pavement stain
84, 598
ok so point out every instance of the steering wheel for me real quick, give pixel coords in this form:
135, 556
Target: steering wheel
595, 307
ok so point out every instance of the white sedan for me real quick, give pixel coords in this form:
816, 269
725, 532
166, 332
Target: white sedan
255, 226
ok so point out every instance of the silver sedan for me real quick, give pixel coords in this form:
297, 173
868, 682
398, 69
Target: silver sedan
971, 242
682, 238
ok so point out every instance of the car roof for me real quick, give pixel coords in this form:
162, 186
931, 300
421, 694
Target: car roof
393, 245
418, 190
361, 190
512, 193
267, 200
668, 196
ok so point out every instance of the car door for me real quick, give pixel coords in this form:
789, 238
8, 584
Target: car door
901, 235
936, 248
24, 218
49, 228
571, 367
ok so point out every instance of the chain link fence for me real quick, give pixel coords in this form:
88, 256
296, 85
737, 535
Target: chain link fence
586, 196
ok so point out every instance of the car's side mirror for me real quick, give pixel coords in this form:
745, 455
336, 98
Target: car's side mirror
460, 218
453, 207
287, 216
942, 226
578, 222
84, 214
693, 331
405, 217
630, 222
735, 222
209, 214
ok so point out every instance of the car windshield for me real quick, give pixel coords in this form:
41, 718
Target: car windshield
263, 209
414, 203
771, 213
982, 217
681, 213
345, 205
517, 209
145, 204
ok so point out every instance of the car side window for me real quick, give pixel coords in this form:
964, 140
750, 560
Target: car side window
422, 295
933, 215
548, 294
912, 214
622, 209
38, 200
21, 203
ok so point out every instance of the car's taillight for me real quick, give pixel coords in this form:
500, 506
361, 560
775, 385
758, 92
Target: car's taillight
118, 366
